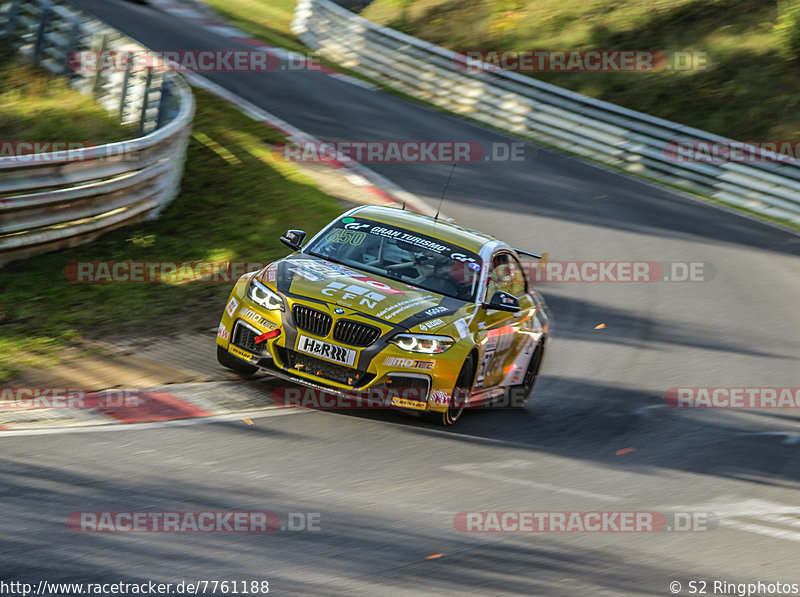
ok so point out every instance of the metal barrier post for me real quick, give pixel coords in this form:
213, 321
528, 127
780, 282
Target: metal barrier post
44, 6
146, 98
11, 18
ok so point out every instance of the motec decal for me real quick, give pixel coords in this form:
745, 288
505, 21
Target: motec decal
257, 318
408, 363
328, 351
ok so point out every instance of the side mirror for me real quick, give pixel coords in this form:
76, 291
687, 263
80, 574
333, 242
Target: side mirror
293, 239
503, 301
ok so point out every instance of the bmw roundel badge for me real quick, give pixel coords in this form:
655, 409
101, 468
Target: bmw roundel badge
338, 310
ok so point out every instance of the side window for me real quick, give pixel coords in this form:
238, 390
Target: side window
506, 275
517, 277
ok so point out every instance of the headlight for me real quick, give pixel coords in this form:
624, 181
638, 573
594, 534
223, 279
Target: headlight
422, 343
263, 296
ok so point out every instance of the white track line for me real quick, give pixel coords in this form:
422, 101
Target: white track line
274, 411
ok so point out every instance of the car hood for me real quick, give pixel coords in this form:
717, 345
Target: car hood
302, 275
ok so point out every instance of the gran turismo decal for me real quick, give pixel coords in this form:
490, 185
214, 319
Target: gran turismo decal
420, 241
326, 350
354, 226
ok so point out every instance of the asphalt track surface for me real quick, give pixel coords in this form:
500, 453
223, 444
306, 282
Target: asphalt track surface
387, 486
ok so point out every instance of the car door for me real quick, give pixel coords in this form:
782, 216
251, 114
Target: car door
504, 338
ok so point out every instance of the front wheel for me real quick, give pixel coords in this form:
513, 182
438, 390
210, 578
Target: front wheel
455, 407
238, 365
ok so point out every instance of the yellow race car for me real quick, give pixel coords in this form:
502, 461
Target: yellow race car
418, 313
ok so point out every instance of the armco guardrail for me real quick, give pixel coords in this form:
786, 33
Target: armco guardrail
64, 198
608, 133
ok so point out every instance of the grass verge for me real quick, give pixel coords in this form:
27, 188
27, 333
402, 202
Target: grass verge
235, 201
268, 21
37, 106
748, 92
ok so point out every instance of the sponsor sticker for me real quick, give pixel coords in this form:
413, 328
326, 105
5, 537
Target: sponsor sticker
431, 325
440, 397
242, 354
233, 304
433, 311
462, 327
405, 403
347, 292
223, 332
326, 350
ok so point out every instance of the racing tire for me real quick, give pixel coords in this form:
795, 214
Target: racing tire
463, 388
521, 393
238, 365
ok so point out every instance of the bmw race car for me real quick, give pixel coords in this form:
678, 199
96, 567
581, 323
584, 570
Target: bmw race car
383, 298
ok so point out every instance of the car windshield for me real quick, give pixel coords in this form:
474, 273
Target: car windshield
402, 255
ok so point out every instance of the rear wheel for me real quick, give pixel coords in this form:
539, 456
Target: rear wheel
522, 392
238, 365
460, 394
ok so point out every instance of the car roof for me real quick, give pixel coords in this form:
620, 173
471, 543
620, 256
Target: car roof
439, 229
